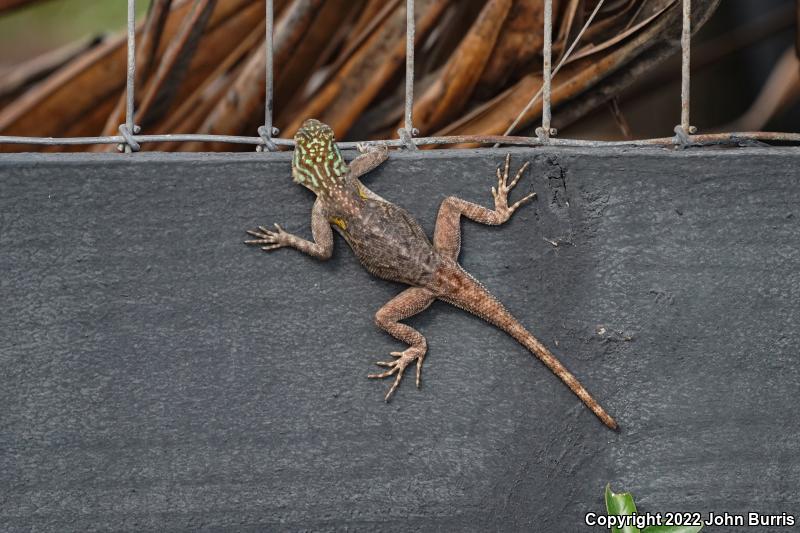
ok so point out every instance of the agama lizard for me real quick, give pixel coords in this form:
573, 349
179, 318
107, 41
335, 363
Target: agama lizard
390, 244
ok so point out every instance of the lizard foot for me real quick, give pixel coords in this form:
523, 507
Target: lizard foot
500, 193
398, 366
268, 239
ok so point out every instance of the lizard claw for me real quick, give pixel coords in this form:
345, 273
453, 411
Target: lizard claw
500, 193
268, 239
367, 147
398, 366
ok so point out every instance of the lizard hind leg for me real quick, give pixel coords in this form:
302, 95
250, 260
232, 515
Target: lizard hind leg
406, 304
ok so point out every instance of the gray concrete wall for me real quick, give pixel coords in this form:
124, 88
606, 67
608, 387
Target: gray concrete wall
157, 374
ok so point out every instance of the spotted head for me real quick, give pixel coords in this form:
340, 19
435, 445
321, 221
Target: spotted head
317, 162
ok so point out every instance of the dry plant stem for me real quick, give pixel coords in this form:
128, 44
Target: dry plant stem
366, 26
172, 67
161, 88
516, 44
96, 115
65, 100
371, 11
215, 49
349, 93
658, 43
151, 40
217, 44
709, 52
596, 48
79, 99
575, 79
638, 53
530, 103
49, 108
448, 95
294, 80
196, 108
245, 98
569, 19
619, 118
14, 81
173, 64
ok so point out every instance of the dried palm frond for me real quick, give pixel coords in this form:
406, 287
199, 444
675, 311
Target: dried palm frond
201, 67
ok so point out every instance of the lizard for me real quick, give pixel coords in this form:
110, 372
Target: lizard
392, 245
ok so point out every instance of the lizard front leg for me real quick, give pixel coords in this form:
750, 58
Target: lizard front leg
447, 235
321, 247
372, 155
408, 303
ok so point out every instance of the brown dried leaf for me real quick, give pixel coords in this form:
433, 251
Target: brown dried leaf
189, 115
519, 43
355, 86
451, 90
246, 96
21, 77
171, 68
327, 32
577, 77
70, 95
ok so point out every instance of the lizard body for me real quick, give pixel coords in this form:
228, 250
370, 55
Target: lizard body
391, 245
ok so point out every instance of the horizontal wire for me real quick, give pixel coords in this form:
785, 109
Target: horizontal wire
712, 138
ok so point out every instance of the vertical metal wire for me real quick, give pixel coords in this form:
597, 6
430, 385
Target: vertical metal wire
686, 43
408, 131
547, 75
129, 87
410, 32
267, 131
561, 63
269, 50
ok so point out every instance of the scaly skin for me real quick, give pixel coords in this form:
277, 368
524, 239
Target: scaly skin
392, 245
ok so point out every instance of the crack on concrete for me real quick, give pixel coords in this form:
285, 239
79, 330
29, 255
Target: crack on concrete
557, 182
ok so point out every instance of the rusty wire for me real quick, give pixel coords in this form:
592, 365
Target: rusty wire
558, 67
547, 74
130, 138
409, 102
685, 129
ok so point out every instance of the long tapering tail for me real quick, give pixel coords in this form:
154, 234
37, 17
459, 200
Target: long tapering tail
472, 296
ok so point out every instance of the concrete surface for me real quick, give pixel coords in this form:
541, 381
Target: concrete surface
158, 375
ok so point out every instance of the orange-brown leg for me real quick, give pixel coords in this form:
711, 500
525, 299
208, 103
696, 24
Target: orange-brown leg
408, 303
447, 235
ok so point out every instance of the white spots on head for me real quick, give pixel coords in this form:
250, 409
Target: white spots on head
317, 159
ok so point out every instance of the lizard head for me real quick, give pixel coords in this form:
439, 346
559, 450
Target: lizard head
317, 162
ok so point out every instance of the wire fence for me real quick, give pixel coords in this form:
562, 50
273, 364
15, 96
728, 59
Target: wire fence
130, 138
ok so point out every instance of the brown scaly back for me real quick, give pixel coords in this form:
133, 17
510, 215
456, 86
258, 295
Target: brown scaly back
317, 162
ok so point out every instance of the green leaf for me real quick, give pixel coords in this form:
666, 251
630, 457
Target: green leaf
621, 505
672, 529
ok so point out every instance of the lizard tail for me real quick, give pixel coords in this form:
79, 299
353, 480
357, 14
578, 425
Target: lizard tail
470, 295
